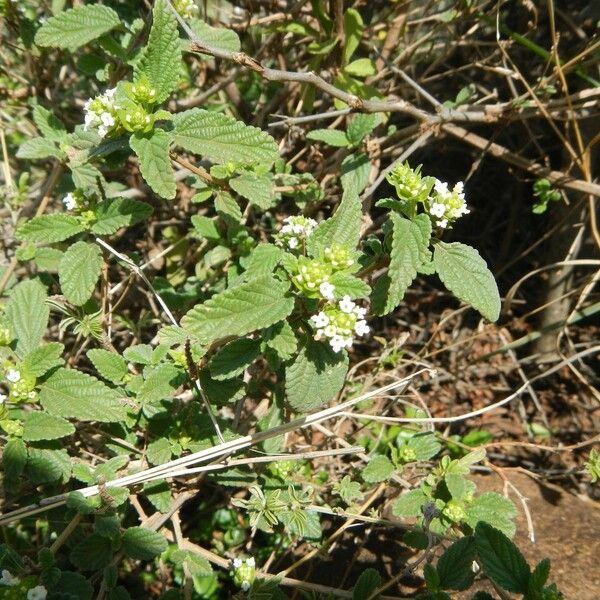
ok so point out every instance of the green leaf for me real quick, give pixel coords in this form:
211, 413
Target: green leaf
332, 137
139, 353
227, 207
49, 229
77, 26
424, 445
72, 394
43, 426
379, 468
75, 586
159, 452
353, 30
459, 487
92, 553
27, 314
467, 276
251, 305
360, 126
234, 358
262, 260
142, 544
14, 458
159, 494
79, 271
159, 383
501, 559
37, 148
43, 358
410, 241
48, 125
216, 37
223, 139
367, 583
348, 490
114, 213
85, 177
152, 151
161, 60
409, 504
257, 189
315, 377
355, 172
223, 391
454, 567
539, 577
110, 365
206, 227
349, 285
342, 228
495, 510
281, 338
48, 259
47, 464
361, 67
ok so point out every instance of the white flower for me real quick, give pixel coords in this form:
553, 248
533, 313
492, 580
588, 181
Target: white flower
37, 593
441, 187
437, 209
13, 375
3, 398
69, 201
361, 328
237, 563
443, 223
251, 562
360, 312
338, 343
8, 578
293, 242
320, 320
327, 290
346, 304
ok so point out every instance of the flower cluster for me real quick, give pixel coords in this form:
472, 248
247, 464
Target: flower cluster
340, 322
74, 200
446, 205
312, 278
186, 8
339, 257
295, 232
101, 113
21, 386
409, 183
244, 572
8, 578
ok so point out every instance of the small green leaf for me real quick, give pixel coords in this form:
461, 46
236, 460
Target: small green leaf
47, 464
110, 365
159, 494
409, 504
424, 445
539, 577
361, 67
353, 30
367, 583
14, 458
79, 271
159, 452
43, 358
216, 37
77, 26
331, 137
348, 285
222, 139
161, 60
92, 553
222, 391
114, 213
454, 567
495, 510
43, 426
467, 276
459, 487
206, 227
262, 260
234, 358
380, 468
38, 148
360, 126
355, 172
227, 207
27, 314
152, 150
49, 229
251, 305
315, 377
143, 544
282, 339
48, 125
501, 559
257, 189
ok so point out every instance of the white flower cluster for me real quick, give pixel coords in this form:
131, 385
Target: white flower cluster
294, 231
244, 572
100, 112
39, 592
70, 201
8, 578
447, 205
186, 8
340, 323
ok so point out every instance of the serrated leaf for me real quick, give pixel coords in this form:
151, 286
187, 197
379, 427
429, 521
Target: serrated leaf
355, 170
161, 60
424, 445
458, 486
72, 394
43, 358
37, 148
257, 189
139, 353
48, 259
495, 510
14, 458
282, 339
361, 67
110, 365
315, 377
367, 583
159, 494
262, 260
251, 305
410, 242
27, 314
342, 228
114, 213
49, 229
160, 382
159, 452
361, 125
47, 464
85, 177
79, 271
92, 553
222, 139
75, 585
223, 391
331, 137
206, 227
152, 150
43, 426
409, 504
353, 30
142, 544
215, 37
48, 125
234, 358
501, 559
467, 276
77, 26
379, 468
227, 207
454, 567
348, 285
538, 578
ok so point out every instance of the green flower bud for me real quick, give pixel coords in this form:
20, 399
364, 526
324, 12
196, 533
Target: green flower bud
312, 278
143, 92
5, 336
409, 183
136, 120
339, 257
407, 454
244, 572
454, 511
